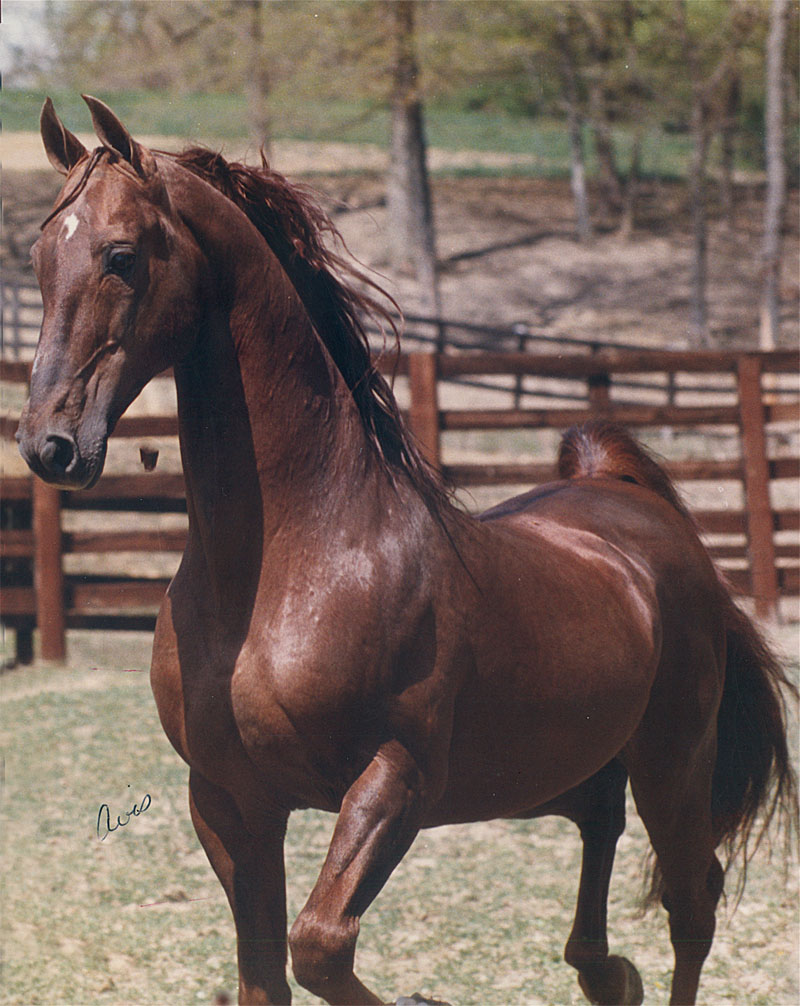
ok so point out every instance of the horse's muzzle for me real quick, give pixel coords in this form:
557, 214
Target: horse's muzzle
56, 458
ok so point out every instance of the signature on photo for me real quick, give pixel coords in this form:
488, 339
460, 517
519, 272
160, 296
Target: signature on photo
104, 825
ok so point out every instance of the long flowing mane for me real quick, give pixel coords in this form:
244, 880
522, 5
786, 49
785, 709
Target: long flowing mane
295, 227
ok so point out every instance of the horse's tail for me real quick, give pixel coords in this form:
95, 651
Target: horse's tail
753, 777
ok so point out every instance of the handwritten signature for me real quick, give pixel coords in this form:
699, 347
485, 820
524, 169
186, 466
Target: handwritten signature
104, 825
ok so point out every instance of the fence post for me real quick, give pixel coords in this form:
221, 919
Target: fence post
424, 408
758, 509
441, 334
521, 332
598, 387
48, 571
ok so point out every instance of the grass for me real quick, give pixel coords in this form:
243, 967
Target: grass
477, 914
209, 117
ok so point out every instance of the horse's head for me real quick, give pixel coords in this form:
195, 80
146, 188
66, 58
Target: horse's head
120, 277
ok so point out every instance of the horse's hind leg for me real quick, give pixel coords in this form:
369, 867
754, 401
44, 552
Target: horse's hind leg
599, 811
675, 806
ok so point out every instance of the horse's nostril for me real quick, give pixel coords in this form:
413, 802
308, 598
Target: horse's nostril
57, 454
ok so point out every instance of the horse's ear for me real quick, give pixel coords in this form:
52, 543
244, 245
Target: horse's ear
63, 149
111, 132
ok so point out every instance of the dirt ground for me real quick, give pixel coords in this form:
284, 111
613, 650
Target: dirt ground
506, 244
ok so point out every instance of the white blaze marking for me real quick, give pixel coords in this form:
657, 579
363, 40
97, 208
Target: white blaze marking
70, 226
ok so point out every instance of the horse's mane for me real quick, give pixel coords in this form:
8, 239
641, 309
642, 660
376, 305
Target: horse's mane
295, 226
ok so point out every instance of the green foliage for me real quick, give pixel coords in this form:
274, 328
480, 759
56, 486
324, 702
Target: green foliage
184, 67
487, 54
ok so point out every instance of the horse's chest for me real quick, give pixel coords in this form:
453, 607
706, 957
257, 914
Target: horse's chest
297, 702
305, 721
297, 728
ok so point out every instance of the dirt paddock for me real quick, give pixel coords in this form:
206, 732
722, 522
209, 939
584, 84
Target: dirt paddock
506, 244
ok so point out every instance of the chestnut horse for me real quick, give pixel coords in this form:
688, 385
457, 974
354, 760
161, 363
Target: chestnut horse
338, 634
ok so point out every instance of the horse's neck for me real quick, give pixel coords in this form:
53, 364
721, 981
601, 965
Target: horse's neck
270, 434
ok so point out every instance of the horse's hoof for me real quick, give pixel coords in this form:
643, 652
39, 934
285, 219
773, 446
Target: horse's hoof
612, 982
418, 1000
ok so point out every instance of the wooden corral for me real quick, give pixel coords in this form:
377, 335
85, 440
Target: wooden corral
751, 399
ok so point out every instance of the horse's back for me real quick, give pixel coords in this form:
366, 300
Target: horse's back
641, 527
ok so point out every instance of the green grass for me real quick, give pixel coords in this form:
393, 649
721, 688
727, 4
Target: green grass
223, 117
477, 914
218, 115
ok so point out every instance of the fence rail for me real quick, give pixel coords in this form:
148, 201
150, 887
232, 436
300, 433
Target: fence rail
756, 543
22, 313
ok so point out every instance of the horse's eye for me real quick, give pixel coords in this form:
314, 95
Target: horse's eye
120, 261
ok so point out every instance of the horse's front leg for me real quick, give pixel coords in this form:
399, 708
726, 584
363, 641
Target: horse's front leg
378, 821
250, 868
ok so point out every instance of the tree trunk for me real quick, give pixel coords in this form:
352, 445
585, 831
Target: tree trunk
257, 87
638, 114
628, 220
698, 315
698, 309
410, 211
577, 163
776, 176
728, 137
711, 91
609, 186
577, 175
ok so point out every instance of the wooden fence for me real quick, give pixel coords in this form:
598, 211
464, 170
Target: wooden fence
755, 410
21, 304
748, 401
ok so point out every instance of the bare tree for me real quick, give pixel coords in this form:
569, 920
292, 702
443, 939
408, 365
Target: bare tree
257, 82
711, 87
636, 90
410, 209
600, 57
577, 164
731, 105
698, 318
776, 175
